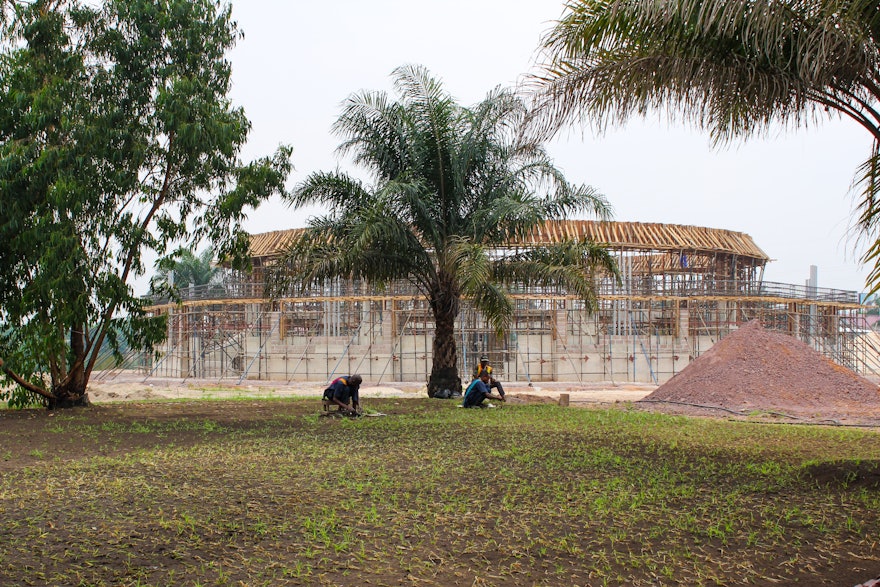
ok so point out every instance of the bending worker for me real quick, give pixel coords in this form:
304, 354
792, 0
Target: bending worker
485, 367
343, 390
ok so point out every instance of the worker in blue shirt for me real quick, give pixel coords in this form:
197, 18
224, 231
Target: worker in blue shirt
479, 391
484, 366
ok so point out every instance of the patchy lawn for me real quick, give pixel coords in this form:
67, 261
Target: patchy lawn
269, 493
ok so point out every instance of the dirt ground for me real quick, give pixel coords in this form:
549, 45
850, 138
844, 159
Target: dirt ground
133, 387
752, 373
229, 523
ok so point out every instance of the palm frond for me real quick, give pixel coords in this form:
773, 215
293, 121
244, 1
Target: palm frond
570, 266
730, 67
473, 266
433, 115
496, 306
337, 190
868, 185
515, 214
375, 132
470, 262
365, 237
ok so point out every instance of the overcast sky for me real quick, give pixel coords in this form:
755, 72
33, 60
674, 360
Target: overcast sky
300, 59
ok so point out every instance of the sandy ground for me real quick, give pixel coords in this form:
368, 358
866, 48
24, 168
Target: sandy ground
116, 387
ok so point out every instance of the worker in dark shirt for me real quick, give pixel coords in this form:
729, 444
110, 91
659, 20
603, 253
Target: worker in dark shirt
479, 391
343, 392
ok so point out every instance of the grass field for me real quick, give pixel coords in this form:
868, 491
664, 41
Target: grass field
252, 493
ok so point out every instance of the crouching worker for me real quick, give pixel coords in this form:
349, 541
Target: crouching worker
485, 367
479, 391
343, 392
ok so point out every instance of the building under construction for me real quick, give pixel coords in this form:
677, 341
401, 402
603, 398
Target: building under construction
682, 288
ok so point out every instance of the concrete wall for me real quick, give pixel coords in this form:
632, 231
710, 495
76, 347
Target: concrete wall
550, 341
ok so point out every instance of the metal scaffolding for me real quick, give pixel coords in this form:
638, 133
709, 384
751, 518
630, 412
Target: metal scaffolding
681, 290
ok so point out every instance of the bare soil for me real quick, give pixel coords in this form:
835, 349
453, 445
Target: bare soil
132, 386
753, 373
135, 493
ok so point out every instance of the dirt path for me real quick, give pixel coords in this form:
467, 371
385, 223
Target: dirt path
132, 387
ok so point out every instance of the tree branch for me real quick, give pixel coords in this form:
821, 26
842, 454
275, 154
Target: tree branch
170, 172
25, 384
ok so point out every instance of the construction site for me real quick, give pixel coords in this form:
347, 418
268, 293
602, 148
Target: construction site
681, 290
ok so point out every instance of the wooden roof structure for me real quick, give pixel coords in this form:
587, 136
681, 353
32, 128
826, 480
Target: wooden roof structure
641, 236
619, 236
270, 245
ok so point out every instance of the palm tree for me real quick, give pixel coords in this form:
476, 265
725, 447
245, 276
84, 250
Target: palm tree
450, 184
732, 67
187, 268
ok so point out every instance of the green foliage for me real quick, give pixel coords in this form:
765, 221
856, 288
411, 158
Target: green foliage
116, 139
184, 270
451, 187
735, 68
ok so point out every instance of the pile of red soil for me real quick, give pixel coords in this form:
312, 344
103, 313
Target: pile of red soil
756, 371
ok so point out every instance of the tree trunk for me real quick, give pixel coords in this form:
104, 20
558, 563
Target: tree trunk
444, 368
68, 397
72, 393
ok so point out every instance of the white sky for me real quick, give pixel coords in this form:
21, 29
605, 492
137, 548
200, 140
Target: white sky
300, 59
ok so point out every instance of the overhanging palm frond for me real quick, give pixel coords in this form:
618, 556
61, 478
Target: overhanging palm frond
732, 67
714, 67
868, 182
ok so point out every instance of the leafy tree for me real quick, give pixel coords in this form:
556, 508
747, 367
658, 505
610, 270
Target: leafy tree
116, 139
450, 186
734, 68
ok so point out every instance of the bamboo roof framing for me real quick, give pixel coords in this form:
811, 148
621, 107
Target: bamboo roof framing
641, 236
626, 236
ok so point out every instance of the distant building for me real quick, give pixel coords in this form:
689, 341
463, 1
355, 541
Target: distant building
683, 288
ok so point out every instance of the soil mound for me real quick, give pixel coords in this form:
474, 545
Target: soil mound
754, 371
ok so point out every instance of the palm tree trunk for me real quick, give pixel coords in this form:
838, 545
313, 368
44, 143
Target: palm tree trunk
444, 368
